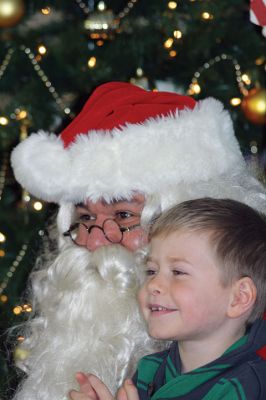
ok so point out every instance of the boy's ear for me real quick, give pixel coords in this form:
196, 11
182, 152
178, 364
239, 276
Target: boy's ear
244, 294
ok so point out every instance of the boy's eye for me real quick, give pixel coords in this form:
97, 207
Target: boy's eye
178, 272
150, 272
150, 268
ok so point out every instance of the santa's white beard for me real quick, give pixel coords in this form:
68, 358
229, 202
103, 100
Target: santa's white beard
88, 321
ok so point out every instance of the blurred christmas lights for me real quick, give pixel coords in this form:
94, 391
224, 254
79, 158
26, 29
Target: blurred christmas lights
6, 61
210, 63
168, 43
2, 237
37, 205
46, 10
235, 101
42, 49
101, 6
12, 269
206, 15
3, 298
172, 5
172, 53
177, 34
92, 62
43, 77
3, 121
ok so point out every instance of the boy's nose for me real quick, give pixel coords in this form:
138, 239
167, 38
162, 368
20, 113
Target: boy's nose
156, 285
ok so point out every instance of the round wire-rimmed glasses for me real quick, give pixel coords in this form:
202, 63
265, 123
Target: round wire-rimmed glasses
112, 231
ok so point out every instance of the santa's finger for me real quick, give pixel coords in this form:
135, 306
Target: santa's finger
131, 390
85, 386
74, 395
121, 394
100, 388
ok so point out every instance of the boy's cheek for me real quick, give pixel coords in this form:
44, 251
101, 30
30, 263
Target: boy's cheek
142, 299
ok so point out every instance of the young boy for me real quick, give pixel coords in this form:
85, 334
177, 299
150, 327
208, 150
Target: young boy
205, 291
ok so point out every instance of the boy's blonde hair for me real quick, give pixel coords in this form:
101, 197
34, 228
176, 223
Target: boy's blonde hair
237, 233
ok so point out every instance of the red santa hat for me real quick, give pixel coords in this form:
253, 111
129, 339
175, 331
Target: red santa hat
127, 139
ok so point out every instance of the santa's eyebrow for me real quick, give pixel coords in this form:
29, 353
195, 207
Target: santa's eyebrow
113, 201
83, 205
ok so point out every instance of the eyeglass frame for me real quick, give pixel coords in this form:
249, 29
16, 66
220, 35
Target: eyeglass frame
122, 229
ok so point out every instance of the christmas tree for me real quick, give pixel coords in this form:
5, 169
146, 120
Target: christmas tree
54, 53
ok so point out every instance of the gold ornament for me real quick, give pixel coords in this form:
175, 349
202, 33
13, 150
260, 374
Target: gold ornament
11, 12
254, 106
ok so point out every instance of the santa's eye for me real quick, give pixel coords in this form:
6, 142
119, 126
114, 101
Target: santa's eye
124, 214
127, 218
86, 217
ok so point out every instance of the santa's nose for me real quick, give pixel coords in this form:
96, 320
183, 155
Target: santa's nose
96, 239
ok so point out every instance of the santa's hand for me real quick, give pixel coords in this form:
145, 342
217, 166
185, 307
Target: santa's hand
92, 388
128, 391
86, 391
101, 390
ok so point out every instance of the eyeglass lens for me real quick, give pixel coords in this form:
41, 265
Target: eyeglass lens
110, 229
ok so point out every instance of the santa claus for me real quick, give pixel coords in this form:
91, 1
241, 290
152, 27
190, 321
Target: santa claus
127, 156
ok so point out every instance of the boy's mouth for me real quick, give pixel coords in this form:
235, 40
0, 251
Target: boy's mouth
158, 308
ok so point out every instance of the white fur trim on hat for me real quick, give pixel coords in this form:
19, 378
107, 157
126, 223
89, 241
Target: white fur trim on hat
187, 146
